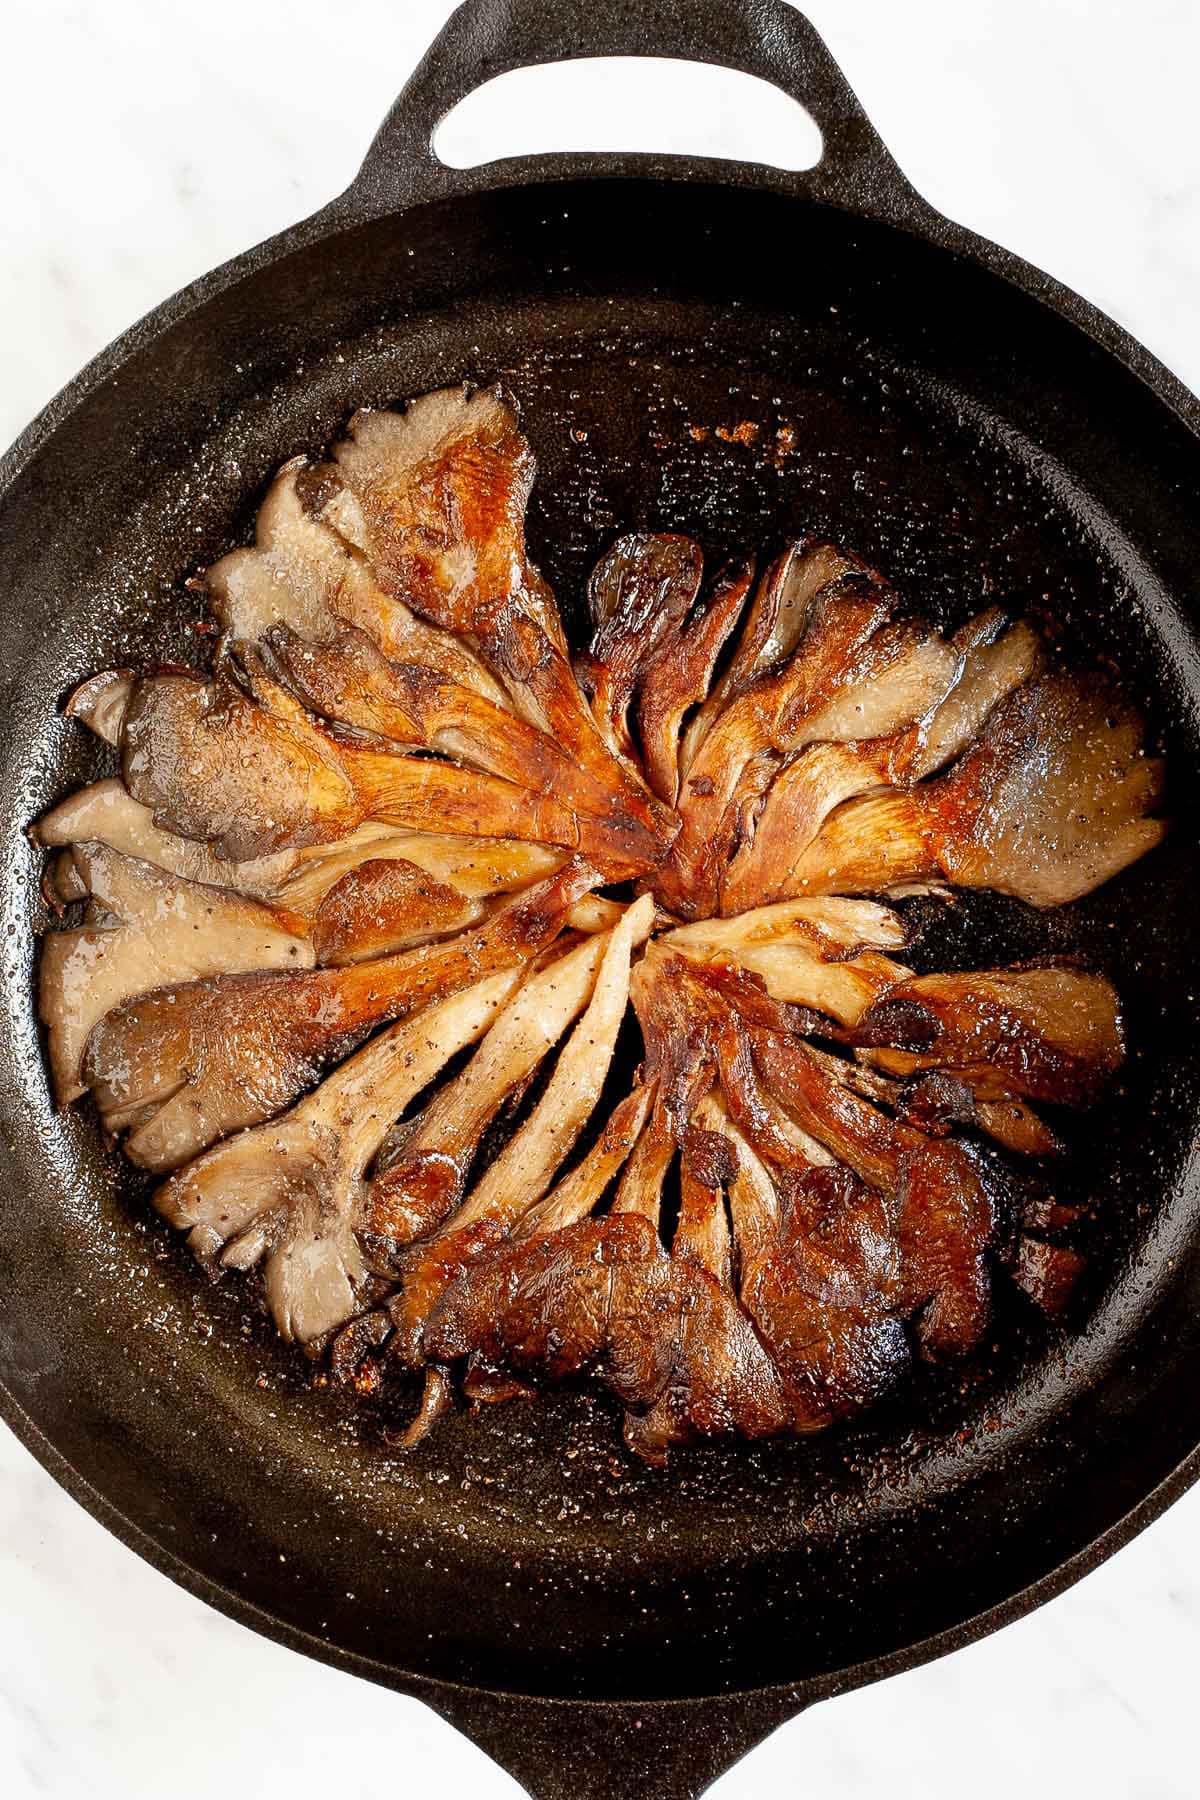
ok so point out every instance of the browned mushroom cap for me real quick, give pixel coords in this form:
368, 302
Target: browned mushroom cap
349, 680
384, 905
639, 593
304, 573
1053, 800
292, 1191
602, 1297
387, 904
774, 626
823, 1299
989, 662
443, 488
214, 765
678, 676
819, 1275
188, 1064
944, 1214
767, 720
1049, 802
145, 929
1051, 1033
477, 867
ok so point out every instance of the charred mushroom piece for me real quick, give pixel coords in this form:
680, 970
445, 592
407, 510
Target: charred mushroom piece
146, 929
985, 661
638, 594
944, 1214
185, 1065
523, 1171
213, 765
293, 1191
1050, 802
1048, 1273
442, 489
678, 675
351, 682
821, 955
385, 905
303, 573
1051, 1033
424, 1183
774, 626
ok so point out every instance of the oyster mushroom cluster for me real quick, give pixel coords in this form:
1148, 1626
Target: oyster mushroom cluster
367, 908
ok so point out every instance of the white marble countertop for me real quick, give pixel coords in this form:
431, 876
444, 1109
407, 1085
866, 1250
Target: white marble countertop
141, 145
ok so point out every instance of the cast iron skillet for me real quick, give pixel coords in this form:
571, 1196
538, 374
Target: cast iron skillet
968, 425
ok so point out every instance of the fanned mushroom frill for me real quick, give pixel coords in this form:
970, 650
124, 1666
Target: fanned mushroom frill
340, 964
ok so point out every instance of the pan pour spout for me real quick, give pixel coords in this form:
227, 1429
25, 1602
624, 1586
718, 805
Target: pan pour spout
345, 980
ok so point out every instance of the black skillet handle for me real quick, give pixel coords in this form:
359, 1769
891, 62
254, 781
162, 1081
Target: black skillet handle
767, 38
579, 1750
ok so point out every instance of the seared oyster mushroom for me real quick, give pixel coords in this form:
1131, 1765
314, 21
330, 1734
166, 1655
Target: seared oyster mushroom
823, 954
211, 764
992, 660
1049, 1033
145, 929
387, 904
638, 594
944, 1214
855, 674
423, 1182
1050, 801
214, 764
186, 1064
304, 574
443, 487
523, 1171
677, 676
349, 681
107, 813
292, 1191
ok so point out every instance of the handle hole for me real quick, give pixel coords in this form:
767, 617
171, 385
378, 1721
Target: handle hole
630, 103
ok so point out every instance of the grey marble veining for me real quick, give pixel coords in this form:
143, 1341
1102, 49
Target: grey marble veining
141, 145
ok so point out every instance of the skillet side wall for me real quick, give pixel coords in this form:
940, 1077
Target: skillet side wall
974, 445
